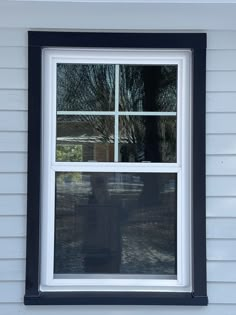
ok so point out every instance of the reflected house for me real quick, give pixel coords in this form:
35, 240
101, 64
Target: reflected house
83, 138
79, 141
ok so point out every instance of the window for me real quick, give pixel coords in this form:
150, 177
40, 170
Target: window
116, 184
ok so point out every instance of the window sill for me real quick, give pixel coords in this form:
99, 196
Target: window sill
114, 298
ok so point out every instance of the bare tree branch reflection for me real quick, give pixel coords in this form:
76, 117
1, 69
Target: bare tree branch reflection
83, 87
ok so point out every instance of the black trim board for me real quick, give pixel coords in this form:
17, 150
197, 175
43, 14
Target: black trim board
197, 43
115, 298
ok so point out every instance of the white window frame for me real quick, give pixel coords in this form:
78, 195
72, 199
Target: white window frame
181, 58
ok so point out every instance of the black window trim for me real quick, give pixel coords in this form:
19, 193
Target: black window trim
37, 40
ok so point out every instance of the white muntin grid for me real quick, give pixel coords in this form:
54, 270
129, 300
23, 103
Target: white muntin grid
182, 167
116, 113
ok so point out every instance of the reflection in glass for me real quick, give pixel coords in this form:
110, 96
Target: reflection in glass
118, 223
147, 139
148, 88
82, 87
82, 138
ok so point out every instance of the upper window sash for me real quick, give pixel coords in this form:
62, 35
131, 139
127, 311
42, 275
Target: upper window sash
53, 57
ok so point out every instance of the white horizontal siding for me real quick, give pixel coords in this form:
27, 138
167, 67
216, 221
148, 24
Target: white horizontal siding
223, 123
17, 308
220, 81
221, 271
221, 206
13, 99
13, 226
221, 186
11, 291
13, 121
222, 293
221, 228
221, 144
12, 183
221, 249
109, 16
13, 79
218, 40
221, 165
13, 57
13, 204
13, 141
221, 102
12, 270
221, 60
12, 248
13, 37
13, 162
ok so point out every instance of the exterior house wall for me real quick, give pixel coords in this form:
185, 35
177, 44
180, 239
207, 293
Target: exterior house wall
220, 24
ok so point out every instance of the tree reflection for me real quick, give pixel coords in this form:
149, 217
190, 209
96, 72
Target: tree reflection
142, 89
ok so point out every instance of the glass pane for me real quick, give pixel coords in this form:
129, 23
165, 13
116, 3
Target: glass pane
115, 223
147, 139
148, 88
82, 87
82, 138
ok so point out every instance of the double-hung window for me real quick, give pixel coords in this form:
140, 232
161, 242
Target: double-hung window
116, 169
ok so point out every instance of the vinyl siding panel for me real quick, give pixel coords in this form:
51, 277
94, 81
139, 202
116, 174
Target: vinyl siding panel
221, 271
12, 37
223, 123
12, 270
219, 81
217, 293
13, 141
97, 16
221, 165
13, 99
13, 79
221, 40
221, 102
15, 20
13, 183
221, 186
12, 248
13, 204
13, 162
221, 60
17, 308
221, 207
221, 249
11, 292
13, 57
221, 228
13, 121
221, 144
13, 226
